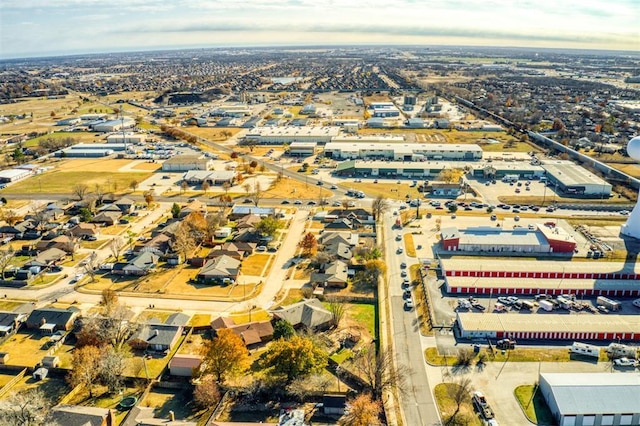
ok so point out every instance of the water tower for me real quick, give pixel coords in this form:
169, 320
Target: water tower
632, 227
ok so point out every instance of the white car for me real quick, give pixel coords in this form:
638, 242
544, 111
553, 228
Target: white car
261, 248
624, 362
76, 278
636, 303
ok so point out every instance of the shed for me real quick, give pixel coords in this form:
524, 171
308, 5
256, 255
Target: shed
184, 365
40, 374
333, 404
50, 361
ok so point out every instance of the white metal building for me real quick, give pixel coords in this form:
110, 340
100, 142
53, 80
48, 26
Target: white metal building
289, 134
571, 178
303, 149
400, 151
592, 399
114, 125
128, 137
12, 175
184, 163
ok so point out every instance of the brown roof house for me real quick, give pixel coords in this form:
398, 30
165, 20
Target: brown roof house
61, 242
185, 365
82, 229
308, 314
251, 333
107, 217
240, 248
248, 222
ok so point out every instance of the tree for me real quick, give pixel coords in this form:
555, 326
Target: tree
458, 392
375, 268
109, 301
305, 387
226, 355
18, 156
85, 214
86, 368
557, 125
379, 206
337, 309
184, 186
363, 411
148, 198
206, 186
80, 190
308, 243
10, 216
450, 175
283, 330
134, 185
206, 394
379, 373
28, 408
183, 242
226, 186
256, 195
175, 210
293, 358
453, 208
116, 245
99, 193
112, 364
91, 267
5, 259
269, 225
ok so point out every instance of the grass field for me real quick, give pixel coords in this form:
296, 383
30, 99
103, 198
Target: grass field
395, 191
534, 406
91, 165
78, 136
447, 406
291, 188
364, 314
200, 320
214, 134
62, 182
255, 264
28, 348
433, 357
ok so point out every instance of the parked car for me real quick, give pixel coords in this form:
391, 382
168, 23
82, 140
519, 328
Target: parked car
624, 362
261, 248
408, 305
403, 265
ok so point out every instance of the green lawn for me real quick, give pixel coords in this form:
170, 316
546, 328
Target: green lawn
535, 408
78, 136
433, 357
62, 182
447, 406
365, 314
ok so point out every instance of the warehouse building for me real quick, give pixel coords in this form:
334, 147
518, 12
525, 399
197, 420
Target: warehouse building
572, 179
302, 149
214, 177
290, 134
472, 325
592, 399
400, 151
113, 125
84, 153
491, 239
13, 175
184, 163
129, 138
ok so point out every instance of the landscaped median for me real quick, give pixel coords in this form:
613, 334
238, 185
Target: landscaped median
433, 357
533, 405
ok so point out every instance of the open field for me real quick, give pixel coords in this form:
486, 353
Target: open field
364, 314
516, 355
395, 191
85, 137
91, 165
255, 264
291, 188
61, 182
212, 133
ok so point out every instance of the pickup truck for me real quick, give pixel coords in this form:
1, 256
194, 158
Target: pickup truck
481, 404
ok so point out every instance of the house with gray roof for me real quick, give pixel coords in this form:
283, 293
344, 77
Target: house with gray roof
310, 313
50, 320
156, 337
10, 321
142, 264
334, 274
219, 270
80, 415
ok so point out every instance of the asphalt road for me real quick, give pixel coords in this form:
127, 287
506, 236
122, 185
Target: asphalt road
418, 405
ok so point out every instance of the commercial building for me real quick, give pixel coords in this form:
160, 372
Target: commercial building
184, 163
572, 179
12, 175
491, 239
488, 276
130, 138
214, 177
234, 110
84, 153
113, 125
400, 151
592, 399
383, 109
302, 149
472, 325
290, 134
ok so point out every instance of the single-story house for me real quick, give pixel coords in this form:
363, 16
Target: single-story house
333, 274
47, 257
184, 365
156, 337
160, 245
339, 250
10, 321
359, 213
309, 313
239, 211
240, 247
343, 223
50, 320
252, 333
333, 237
83, 229
61, 242
126, 205
80, 415
107, 218
249, 221
219, 270
142, 264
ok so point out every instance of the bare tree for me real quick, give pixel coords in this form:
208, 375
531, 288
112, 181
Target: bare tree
379, 372
116, 245
206, 186
86, 368
109, 300
99, 193
337, 309
112, 364
148, 198
80, 190
28, 408
5, 259
91, 267
10, 216
256, 195
458, 391
182, 242
379, 206
134, 185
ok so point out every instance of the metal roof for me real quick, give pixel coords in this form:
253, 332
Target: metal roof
479, 283
544, 322
594, 393
491, 235
483, 263
571, 174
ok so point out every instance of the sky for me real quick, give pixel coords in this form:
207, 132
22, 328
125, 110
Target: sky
59, 27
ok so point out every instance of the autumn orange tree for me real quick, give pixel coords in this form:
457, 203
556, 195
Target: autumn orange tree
86, 367
363, 411
308, 244
226, 355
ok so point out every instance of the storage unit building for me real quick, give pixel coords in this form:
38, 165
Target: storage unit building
12, 175
573, 179
592, 399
